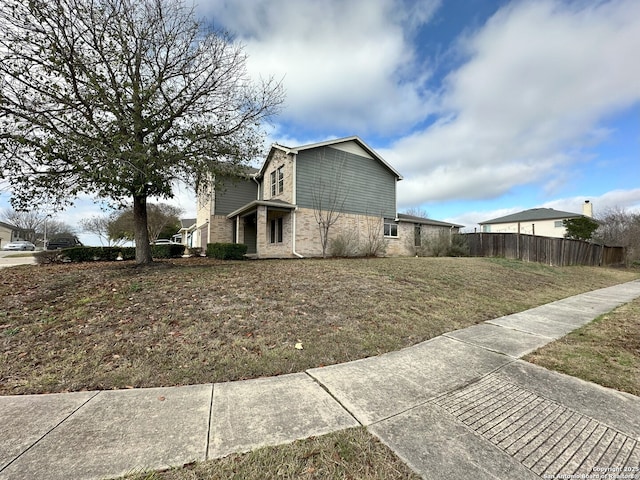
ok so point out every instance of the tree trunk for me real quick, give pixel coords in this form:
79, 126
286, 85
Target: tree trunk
143, 249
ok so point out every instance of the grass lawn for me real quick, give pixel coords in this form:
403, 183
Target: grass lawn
352, 454
189, 321
606, 351
102, 326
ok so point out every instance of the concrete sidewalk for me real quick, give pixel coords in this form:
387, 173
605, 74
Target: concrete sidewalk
461, 405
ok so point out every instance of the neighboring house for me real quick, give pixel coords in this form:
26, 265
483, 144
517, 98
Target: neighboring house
186, 233
10, 233
545, 222
275, 210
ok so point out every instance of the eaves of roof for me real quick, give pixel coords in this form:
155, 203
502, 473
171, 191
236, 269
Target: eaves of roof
402, 217
327, 143
256, 203
9, 226
531, 215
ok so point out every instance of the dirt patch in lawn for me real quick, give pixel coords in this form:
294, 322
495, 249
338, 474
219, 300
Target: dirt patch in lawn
103, 326
606, 351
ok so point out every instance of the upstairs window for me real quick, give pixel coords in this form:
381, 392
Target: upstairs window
273, 183
280, 176
390, 227
277, 181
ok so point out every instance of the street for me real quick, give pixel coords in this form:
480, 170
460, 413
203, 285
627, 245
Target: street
10, 259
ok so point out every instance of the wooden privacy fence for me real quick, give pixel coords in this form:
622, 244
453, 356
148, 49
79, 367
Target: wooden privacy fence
547, 250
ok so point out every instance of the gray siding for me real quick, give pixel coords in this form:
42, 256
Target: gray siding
232, 194
365, 185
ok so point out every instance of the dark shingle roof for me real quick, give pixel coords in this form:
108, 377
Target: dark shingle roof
532, 214
187, 222
426, 221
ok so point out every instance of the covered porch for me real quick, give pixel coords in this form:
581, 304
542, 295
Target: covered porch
265, 227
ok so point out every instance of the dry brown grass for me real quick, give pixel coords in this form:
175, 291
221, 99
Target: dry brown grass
189, 321
351, 454
606, 351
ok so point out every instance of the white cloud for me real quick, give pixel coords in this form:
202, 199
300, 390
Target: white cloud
540, 79
346, 65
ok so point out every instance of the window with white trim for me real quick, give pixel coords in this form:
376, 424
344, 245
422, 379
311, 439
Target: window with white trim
276, 230
390, 227
273, 183
280, 179
558, 223
277, 181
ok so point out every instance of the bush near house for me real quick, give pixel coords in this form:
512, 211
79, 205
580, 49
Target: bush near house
226, 251
172, 250
108, 254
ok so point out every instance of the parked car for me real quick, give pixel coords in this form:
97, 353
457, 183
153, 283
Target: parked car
164, 241
21, 245
63, 242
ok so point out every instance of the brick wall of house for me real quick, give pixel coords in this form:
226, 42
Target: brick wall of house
220, 229
265, 248
356, 229
279, 159
430, 236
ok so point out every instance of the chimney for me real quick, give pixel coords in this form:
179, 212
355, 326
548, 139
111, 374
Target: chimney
587, 209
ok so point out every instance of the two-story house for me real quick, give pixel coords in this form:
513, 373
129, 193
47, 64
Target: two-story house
545, 222
278, 210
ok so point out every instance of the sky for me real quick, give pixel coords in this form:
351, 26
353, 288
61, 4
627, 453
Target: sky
486, 107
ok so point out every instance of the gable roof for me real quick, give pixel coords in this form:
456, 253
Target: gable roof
187, 222
532, 214
9, 226
403, 217
328, 143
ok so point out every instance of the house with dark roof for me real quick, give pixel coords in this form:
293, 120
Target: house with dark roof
185, 234
10, 233
545, 222
277, 211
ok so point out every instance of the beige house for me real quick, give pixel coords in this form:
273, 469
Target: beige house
278, 211
10, 233
544, 222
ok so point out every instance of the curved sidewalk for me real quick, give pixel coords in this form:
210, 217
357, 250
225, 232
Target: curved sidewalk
461, 405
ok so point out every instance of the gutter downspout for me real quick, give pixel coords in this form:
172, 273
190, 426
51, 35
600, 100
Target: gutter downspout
294, 199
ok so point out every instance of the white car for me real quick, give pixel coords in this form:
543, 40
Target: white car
21, 245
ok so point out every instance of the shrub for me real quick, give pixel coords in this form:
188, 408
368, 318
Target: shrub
226, 251
85, 254
374, 244
46, 257
195, 251
344, 245
171, 250
459, 246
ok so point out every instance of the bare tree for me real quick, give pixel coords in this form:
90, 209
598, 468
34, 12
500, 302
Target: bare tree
328, 195
121, 98
99, 225
619, 227
27, 221
162, 218
54, 229
416, 212
374, 243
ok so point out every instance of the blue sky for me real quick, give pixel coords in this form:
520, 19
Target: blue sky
485, 107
